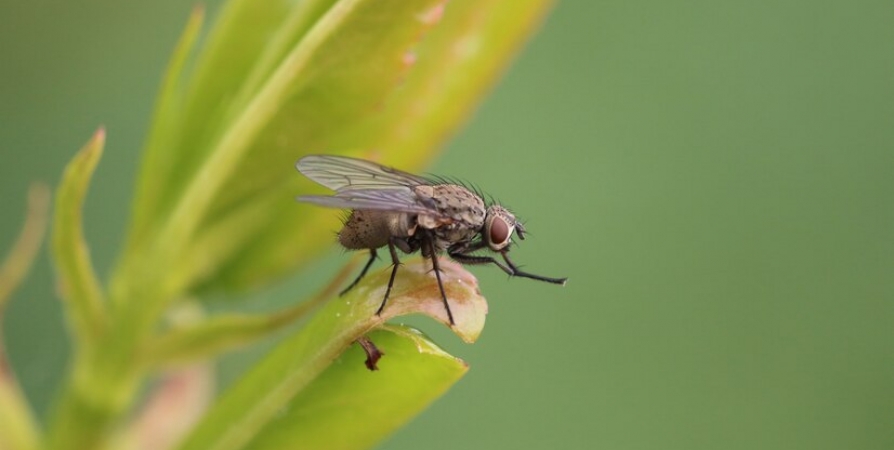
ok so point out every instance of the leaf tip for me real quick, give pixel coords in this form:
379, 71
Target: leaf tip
93, 149
39, 194
421, 295
197, 15
100, 135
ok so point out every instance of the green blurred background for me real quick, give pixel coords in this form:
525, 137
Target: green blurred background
716, 179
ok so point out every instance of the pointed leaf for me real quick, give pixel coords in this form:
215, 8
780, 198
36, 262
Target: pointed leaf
164, 133
215, 335
194, 341
78, 283
253, 402
172, 154
18, 428
21, 256
350, 408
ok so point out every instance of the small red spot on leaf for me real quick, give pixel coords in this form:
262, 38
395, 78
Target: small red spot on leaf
409, 58
433, 15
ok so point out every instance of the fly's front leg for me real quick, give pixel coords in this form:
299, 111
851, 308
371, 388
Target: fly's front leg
461, 256
518, 273
395, 263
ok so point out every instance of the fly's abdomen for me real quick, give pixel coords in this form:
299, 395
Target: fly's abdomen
373, 229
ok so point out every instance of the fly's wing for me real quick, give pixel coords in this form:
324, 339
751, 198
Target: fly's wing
396, 200
361, 184
341, 173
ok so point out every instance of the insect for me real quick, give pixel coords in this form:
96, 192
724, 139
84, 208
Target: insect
413, 213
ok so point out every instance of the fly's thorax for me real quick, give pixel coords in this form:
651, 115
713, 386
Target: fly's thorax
373, 229
454, 206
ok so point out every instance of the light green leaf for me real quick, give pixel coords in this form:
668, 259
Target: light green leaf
242, 30
164, 134
78, 283
254, 402
350, 408
201, 340
18, 428
21, 256
215, 335
445, 76
455, 66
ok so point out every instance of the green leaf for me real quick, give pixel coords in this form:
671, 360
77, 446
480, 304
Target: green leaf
215, 335
200, 340
78, 283
18, 428
164, 133
442, 78
348, 407
254, 402
21, 256
455, 66
242, 30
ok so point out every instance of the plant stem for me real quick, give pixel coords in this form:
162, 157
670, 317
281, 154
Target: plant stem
96, 396
106, 376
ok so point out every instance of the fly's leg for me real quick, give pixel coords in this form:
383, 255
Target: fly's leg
395, 263
518, 273
372, 258
472, 260
509, 267
434, 263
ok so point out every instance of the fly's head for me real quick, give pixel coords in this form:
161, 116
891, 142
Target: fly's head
499, 224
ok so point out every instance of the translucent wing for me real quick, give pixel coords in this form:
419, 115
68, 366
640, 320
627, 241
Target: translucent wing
397, 200
341, 174
361, 184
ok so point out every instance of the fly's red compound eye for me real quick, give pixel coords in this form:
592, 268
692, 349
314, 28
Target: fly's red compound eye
499, 231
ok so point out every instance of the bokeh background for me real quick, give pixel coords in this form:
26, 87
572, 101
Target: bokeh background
716, 179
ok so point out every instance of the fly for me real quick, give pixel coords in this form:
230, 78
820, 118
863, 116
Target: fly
413, 213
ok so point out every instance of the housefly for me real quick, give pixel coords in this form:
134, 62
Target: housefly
413, 213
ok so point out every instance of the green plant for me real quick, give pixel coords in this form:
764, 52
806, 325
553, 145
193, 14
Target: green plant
213, 212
